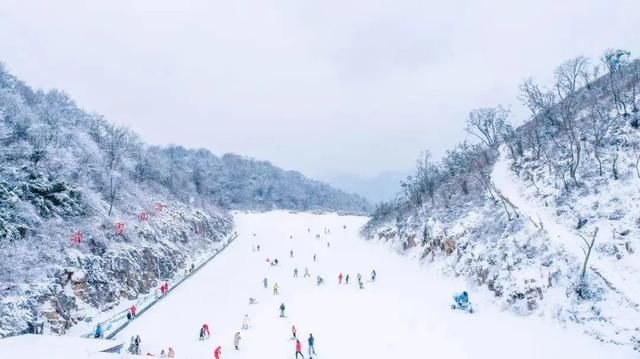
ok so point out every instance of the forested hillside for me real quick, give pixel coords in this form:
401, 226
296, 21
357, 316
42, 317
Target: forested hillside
544, 215
89, 214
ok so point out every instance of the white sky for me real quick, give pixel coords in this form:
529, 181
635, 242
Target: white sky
324, 87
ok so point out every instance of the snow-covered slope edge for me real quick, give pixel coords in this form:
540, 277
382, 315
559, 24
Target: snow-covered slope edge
508, 213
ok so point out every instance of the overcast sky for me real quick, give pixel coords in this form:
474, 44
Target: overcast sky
324, 87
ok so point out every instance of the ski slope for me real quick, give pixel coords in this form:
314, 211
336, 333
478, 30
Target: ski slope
406, 312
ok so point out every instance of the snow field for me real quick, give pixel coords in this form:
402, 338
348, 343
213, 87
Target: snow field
405, 312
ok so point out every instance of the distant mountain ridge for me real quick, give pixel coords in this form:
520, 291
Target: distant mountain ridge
377, 188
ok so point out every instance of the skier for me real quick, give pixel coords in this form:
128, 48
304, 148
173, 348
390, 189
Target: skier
340, 278
236, 340
275, 288
295, 272
291, 254
258, 248
346, 279
299, 349
293, 332
306, 272
134, 347
217, 352
204, 332
311, 342
265, 282
314, 257
245, 322
373, 275
319, 280
360, 284
282, 310
171, 353
252, 300
98, 333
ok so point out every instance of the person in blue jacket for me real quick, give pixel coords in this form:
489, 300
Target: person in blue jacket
311, 342
98, 331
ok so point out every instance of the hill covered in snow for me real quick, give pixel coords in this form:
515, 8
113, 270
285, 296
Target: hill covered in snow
543, 215
90, 215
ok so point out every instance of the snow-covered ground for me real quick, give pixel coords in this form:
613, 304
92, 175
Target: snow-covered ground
405, 312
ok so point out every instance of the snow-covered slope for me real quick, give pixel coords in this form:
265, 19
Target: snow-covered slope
509, 212
91, 216
404, 313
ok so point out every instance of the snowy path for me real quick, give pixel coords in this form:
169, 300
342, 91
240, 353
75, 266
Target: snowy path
563, 235
504, 181
404, 313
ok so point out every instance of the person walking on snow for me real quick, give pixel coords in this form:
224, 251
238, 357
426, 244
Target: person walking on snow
295, 272
282, 310
133, 311
236, 340
340, 278
314, 257
373, 275
311, 342
217, 352
306, 272
293, 332
245, 322
346, 279
265, 282
98, 333
275, 288
204, 331
299, 349
171, 353
291, 254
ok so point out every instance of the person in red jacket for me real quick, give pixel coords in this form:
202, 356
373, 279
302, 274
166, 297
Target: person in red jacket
217, 352
340, 278
298, 349
133, 310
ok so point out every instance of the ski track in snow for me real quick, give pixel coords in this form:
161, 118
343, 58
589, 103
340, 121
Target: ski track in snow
563, 236
405, 313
